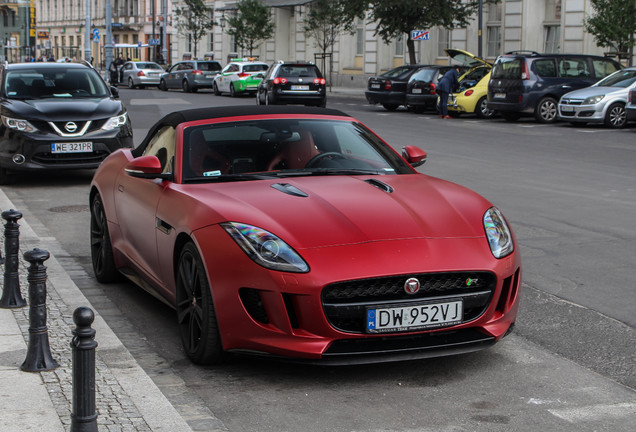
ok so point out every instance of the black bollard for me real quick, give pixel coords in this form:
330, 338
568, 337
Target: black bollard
39, 356
11, 295
84, 415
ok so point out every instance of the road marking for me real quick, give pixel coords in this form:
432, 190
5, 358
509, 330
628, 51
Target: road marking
595, 412
158, 101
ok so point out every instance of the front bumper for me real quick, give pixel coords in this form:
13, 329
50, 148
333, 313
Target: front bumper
26, 151
581, 113
269, 313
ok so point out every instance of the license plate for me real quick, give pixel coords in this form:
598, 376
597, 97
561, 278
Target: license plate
377, 86
300, 87
414, 317
152, 74
417, 91
209, 76
500, 95
76, 147
567, 108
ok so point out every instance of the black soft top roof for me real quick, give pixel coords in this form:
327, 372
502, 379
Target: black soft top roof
177, 117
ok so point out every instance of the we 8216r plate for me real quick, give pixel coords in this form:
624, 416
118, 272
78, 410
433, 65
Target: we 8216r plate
414, 317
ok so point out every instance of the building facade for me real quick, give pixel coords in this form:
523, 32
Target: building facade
536, 25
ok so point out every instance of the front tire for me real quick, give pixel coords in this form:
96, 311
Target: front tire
546, 111
196, 317
215, 89
101, 247
186, 86
616, 116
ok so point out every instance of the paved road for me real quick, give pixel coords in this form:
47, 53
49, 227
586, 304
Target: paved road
570, 195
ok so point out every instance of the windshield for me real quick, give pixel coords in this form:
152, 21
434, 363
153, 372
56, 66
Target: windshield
398, 72
60, 82
624, 79
260, 149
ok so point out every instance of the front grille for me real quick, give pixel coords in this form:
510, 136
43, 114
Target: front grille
48, 158
45, 126
571, 102
345, 303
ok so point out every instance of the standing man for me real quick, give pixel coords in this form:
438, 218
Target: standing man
447, 85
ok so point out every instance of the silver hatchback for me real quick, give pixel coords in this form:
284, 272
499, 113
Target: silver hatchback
603, 102
140, 74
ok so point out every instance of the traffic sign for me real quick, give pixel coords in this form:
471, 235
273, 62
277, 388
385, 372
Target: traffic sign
153, 42
95, 32
95, 38
421, 35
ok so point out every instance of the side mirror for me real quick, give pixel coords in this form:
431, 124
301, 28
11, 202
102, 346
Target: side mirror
147, 167
114, 91
414, 155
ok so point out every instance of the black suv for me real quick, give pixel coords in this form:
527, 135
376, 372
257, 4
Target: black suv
58, 116
292, 83
529, 83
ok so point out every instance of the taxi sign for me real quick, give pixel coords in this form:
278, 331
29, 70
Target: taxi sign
421, 35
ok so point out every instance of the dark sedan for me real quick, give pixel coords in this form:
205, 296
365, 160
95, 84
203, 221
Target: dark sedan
58, 116
389, 89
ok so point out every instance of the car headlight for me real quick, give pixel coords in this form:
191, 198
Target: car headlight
498, 233
115, 122
593, 100
265, 248
18, 124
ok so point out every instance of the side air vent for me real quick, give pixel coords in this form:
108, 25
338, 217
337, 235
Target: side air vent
380, 185
289, 189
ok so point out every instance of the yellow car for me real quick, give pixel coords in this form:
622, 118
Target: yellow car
473, 92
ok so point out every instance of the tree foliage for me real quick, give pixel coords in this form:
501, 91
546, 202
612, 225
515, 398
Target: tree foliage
614, 24
328, 18
399, 17
251, 25
194, 18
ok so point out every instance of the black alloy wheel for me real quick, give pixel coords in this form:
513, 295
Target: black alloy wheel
101, 247
196, 317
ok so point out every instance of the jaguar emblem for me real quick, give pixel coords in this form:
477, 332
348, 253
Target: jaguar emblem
411, 286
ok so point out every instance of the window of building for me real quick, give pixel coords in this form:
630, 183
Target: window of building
443, 42
552, 38
493, 41
359, 38
399, 46
553, 10
494, 12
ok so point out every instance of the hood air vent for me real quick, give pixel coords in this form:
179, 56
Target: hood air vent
380, 185
289, 189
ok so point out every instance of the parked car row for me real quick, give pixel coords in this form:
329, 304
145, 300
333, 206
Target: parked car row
575, 88
293, 82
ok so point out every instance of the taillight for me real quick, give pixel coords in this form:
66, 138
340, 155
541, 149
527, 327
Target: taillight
197, 72
632, 97
468, 93
524, 70
387, 85
141, 73
280, 81
433, 88
243, 74
320, 81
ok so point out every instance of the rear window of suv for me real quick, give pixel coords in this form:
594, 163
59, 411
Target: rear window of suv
507, 68
292, 71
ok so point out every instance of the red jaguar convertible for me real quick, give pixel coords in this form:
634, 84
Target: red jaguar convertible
298, 233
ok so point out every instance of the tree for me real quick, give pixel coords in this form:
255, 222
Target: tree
327, 19
398, 17
614, 25
194, 19
251, 25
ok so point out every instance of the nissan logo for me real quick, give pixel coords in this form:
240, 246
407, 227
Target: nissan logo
70, 127
411, 286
